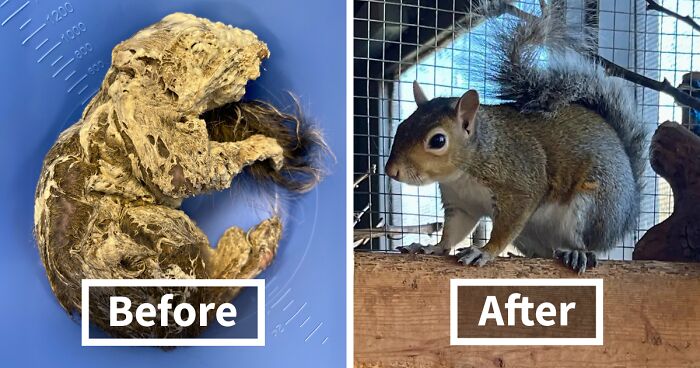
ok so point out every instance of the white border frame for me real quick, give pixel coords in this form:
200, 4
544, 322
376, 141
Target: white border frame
85, 311
597, 340
349, 179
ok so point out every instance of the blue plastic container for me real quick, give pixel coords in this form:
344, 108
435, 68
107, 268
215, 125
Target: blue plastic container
54, 56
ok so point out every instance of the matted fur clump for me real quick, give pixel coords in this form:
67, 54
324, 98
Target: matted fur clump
109, 191
303, 144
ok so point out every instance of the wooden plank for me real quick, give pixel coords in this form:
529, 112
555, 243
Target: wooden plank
401, 318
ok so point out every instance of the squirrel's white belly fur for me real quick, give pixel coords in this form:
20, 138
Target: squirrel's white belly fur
467, 194
555, 226
552, 226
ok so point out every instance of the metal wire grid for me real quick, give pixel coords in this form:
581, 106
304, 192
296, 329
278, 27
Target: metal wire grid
397, 41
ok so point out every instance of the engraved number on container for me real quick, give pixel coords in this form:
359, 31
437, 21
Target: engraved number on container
59, 13
94, 68
73, 32
83, 50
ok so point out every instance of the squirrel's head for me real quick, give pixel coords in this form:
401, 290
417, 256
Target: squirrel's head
427, 142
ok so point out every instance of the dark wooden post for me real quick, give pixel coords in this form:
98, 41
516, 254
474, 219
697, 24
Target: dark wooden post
675, 155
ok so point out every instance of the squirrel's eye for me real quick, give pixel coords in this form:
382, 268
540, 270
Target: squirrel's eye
437, 141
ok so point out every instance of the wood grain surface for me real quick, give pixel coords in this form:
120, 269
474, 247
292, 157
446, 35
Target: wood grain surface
401, 318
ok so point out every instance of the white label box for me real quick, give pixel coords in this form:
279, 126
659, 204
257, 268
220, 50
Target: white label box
259, 284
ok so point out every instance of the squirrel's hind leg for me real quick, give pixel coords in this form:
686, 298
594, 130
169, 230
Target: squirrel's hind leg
579, 260
564, 226
240, 255
576, 255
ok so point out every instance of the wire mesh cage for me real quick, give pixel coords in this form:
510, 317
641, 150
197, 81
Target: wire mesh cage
434, 43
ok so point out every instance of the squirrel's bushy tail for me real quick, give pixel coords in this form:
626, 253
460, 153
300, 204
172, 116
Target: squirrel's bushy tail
543, 66
302, 142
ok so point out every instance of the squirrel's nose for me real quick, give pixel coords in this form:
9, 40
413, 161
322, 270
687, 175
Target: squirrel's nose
392, 170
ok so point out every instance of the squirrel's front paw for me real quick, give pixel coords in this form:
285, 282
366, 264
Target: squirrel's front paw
473, 256
417, 248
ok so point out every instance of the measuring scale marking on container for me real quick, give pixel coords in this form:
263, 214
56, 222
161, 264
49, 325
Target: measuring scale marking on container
61, 46
49, 50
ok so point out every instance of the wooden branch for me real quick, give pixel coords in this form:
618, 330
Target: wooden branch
663, 86
393, 230
401, 309
363, 241
364, 176
653, 5
358, 215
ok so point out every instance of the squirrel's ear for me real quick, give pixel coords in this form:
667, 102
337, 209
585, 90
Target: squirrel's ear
418, 94
466, 110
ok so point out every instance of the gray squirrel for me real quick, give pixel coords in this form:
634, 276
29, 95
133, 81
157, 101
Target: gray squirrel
558, 168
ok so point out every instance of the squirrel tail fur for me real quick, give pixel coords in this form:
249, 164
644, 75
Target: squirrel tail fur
536, 84
302, 142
